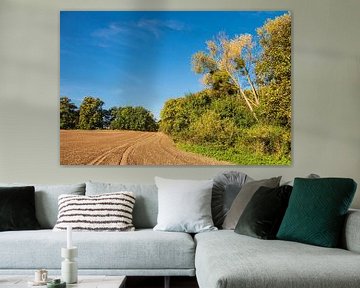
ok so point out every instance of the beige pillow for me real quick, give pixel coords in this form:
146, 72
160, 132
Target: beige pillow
243, 198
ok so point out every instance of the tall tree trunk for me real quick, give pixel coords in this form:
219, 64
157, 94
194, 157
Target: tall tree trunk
242, 93
248, 104
256, 95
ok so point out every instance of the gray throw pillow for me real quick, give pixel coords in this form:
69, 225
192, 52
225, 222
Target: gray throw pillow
226, 187
46, 200
184, 205
242, 199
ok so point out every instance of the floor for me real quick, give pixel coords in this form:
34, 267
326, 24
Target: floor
158, 282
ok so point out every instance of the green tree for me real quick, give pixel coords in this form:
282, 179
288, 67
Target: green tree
69, 115
174, 117
133, 118
177, 114
91, 114
273, 70
220, 83
228, 61
108, 116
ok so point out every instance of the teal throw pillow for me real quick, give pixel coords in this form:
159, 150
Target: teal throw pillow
316, 211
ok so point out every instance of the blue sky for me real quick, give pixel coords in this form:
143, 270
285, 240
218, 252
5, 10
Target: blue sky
141, 58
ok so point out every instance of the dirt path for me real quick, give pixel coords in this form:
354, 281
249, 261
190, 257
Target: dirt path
79, 147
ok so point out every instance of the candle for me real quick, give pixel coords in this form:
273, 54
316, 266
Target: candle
69, 237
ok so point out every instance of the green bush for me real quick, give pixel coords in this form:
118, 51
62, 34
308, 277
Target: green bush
229, 107
177, 114
186, 117
174, 118
235, 156
221, 127
210, 128
266, 140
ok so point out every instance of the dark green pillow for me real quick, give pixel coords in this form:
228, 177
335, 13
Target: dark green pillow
17, 208
316, 211
264, 212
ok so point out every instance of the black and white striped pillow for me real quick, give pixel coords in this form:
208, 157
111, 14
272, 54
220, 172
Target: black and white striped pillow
105, 212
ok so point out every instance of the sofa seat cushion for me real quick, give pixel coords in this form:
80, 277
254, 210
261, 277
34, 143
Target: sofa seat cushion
142, 249
226, 259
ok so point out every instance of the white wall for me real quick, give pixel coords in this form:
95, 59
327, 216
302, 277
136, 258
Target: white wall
326, 90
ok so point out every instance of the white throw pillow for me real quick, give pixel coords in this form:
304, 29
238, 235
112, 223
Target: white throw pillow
184, 205
105, 212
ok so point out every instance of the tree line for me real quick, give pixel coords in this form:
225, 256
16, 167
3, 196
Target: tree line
91, 115
243, 114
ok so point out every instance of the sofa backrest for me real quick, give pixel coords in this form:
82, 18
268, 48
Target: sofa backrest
146, 203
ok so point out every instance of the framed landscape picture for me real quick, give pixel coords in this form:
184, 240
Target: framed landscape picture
175, 88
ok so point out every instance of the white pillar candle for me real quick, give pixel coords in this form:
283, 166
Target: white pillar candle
69, 237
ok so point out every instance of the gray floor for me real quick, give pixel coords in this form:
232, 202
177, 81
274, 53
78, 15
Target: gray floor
158, 282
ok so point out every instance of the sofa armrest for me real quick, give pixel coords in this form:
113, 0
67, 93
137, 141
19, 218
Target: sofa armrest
351, 234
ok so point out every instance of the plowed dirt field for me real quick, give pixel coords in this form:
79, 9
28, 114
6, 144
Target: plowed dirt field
79, 147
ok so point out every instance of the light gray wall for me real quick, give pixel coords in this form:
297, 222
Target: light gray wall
326, 90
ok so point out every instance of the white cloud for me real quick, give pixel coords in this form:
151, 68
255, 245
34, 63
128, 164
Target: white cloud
141, 29
112, 30
175, 25
156, 27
